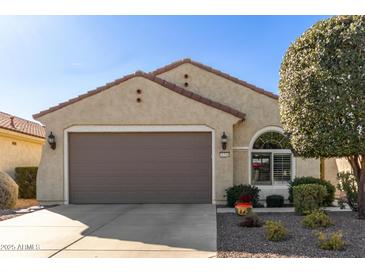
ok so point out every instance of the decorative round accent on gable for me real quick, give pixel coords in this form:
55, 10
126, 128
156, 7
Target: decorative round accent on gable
186, 84
139, 91
186, 76
139, 100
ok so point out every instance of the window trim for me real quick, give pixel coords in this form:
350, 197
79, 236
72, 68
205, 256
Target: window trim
273, 152
251, 150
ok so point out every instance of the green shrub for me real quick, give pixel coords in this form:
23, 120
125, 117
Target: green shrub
308, 198
332, 241
8, 191
275, 201
317, 219
251, 220
331, 189
26, 177
234, 192
275, 231
348, 184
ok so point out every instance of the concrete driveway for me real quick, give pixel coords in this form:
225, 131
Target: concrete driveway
112, 231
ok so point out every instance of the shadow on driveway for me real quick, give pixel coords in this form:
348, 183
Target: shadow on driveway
115, 230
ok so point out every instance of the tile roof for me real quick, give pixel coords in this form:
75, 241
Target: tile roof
217, 72
13, 123
155, 79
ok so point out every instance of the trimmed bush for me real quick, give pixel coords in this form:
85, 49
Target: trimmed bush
275, 231
8, 191
251, 220
274, 201
26, 177
235, 192
317, 219
308, 198
330, 188
332, 241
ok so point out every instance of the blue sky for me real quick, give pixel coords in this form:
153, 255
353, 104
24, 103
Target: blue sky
47, 60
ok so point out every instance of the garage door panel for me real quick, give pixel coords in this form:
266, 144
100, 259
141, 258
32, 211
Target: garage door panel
166, 170
141, 154
140, 167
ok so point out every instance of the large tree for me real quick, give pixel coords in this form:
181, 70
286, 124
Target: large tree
322, 94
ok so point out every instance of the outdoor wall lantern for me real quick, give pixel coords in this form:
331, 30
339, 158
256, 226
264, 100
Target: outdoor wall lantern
52, 140
224, 140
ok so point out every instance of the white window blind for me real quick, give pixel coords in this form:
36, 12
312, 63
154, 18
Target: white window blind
282, 167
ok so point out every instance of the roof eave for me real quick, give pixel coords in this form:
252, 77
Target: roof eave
152, 78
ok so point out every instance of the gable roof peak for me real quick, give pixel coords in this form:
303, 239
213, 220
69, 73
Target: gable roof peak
139, 73
155, 79
216, 72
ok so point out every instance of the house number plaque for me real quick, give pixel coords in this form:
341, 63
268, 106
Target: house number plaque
224, 154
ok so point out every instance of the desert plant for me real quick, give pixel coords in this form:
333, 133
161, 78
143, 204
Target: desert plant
347, 183
317, 219
331, 189
342, 203
251, 220
333, 241
275, 231
235, 192
308, 198
8, 191
25, 177
275, 201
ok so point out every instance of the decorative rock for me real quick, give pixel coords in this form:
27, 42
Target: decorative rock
8, 191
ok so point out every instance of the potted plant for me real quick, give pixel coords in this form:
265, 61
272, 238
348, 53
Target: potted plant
243, 205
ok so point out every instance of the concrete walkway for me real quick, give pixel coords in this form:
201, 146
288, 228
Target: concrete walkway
112, 231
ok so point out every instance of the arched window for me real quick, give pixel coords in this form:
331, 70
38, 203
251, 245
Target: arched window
271, 140
271, 159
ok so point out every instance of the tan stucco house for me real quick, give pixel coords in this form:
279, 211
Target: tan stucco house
181, 134
21, 143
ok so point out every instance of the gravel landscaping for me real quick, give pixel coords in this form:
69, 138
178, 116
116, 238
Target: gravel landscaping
236, 241
23, 206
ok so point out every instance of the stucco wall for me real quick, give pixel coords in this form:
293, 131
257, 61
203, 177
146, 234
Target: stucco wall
118, 106
307, 167
17, 150
332, 166
262, 111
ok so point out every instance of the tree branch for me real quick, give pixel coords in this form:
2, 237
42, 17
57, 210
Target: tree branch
354, 162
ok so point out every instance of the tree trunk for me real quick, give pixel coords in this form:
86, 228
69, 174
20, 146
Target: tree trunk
361, 193
357, 163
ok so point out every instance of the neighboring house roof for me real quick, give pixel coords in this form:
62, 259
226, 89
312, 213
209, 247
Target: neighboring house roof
155, 79
16, 124
217, 72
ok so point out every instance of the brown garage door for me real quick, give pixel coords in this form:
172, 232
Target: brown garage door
140, 167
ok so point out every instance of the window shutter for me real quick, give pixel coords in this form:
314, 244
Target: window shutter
282, 167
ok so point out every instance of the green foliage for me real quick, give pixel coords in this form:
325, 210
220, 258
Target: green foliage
25, 177
322, 89
333, 241
331, 189
8, 191
308, 198
348, 184
275, 231
234, 192
317, 219
251, 220
275, 201
342, 203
